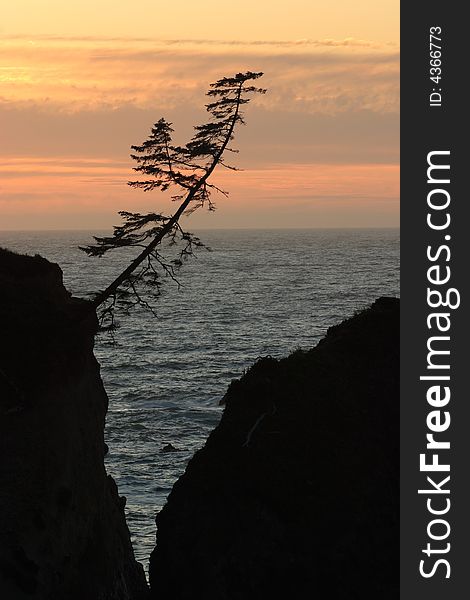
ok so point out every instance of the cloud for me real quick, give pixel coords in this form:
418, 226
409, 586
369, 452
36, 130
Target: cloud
312, 76
346, 42
321, 148
63, 187
272, 136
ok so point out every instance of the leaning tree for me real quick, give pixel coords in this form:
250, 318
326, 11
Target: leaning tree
186, 170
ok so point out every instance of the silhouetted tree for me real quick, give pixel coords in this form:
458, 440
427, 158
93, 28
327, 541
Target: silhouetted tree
184, 169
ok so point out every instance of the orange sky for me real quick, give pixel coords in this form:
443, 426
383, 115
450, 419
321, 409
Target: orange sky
82, 81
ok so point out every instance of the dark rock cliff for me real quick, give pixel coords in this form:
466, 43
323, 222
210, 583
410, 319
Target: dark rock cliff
296, 492
63, 533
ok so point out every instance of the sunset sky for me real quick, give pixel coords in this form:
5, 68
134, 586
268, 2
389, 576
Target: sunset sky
82, 81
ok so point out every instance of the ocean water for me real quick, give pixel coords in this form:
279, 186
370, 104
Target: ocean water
258, 293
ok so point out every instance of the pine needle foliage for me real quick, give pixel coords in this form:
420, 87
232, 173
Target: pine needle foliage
185, 172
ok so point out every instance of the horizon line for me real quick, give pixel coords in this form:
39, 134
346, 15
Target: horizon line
89, 230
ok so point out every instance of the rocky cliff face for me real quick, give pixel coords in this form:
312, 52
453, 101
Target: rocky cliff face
295, 494
63, 534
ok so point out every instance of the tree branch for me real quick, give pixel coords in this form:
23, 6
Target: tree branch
168, 165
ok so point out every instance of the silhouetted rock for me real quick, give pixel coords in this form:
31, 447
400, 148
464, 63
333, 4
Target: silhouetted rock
296, 493
169, 448
63, 534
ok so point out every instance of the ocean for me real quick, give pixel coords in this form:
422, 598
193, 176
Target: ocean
258, 293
